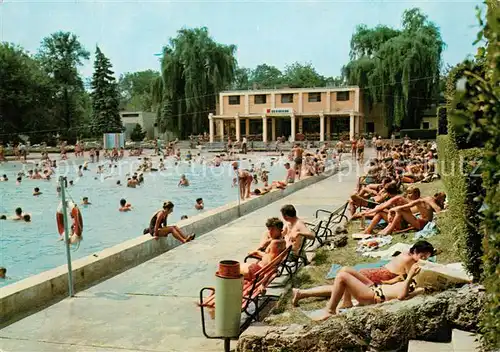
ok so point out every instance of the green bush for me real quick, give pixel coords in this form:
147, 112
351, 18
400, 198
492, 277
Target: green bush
442, 120
469, 240
137, 134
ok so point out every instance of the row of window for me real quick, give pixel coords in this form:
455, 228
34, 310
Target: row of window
288, 98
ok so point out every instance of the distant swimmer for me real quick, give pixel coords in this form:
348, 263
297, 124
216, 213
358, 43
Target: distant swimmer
85, 201
124, 206
36, 191
199, 205
184, 182
4, 178
3, 273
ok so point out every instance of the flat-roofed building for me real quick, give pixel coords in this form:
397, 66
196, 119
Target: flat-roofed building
317, 113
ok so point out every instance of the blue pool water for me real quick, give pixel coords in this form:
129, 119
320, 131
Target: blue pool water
31, 248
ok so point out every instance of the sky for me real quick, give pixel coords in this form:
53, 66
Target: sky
272, 32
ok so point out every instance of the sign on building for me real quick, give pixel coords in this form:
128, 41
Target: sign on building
279, 111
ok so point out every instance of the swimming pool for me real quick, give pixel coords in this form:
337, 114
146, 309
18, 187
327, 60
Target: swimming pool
30, 248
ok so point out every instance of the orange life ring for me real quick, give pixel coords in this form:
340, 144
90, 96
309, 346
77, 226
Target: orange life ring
77, 221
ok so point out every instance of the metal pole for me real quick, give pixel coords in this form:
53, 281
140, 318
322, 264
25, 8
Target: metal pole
66, 235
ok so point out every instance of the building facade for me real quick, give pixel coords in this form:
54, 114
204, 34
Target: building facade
145, 119
312, 113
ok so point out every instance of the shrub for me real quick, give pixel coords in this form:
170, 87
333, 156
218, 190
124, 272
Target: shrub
462, 210
137, 134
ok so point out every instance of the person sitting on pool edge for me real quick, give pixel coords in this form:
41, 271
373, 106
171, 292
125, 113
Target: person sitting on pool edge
124, 206
276, 245
158, 225
392, 272
199, 205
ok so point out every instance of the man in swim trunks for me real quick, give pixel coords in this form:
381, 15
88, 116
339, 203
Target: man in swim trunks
297, 158
275, 246
425, 206
290, 174
295, 230
245, 180
398, 267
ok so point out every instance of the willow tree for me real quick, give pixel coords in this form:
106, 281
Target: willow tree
194, 69
398, 68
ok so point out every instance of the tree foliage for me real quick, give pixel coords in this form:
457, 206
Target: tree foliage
135, 90
61, 54
194, 70
26, 96
137, 134
476, 106
105, 98
398, 68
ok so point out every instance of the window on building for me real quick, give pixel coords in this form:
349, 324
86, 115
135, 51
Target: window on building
260, 99
130, 115
234, 100
425, 125
286, 98
343, 96
314, 97
370, 127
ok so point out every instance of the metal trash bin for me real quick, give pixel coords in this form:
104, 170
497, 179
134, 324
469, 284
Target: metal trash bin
228, 296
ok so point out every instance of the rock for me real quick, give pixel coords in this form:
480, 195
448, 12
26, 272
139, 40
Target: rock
384, 327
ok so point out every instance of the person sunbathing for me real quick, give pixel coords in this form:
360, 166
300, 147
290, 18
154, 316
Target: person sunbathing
381, 212
389, 191
366, 292
425, 208
275, 245
392, 272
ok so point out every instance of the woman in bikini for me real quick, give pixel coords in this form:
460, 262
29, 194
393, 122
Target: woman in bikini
366, 292
394, 271
158, 225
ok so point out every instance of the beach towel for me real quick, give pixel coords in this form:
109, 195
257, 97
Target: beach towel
336, 267
372, 244
429, 230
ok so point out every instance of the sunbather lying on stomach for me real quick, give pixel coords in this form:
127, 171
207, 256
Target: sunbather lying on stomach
273, 249
392, 272
425, 208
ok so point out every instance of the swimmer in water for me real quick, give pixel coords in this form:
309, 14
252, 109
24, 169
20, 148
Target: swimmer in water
3, 273
118, 183
124, 206
85, 201
36, 191
18, 180
3, 217
199, 204
71, 183
184, 217
184, 182
4, 178
80, 172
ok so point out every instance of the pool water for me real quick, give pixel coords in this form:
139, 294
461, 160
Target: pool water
30, 248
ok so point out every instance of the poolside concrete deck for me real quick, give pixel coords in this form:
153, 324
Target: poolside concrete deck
152, 306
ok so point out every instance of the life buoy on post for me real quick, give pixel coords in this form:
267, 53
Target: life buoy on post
77, 221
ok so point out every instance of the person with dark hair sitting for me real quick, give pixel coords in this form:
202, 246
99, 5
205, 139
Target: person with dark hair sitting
394, 271
295, 230
158, 225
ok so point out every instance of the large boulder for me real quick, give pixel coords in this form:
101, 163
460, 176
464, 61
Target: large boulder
384, 327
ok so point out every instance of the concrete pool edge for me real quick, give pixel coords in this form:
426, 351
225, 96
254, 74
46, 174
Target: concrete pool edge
27, 296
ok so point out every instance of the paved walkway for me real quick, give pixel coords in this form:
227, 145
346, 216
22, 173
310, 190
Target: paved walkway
151, 307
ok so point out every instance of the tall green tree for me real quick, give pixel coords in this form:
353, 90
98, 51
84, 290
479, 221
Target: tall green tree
299, 75
398, 68
105, 97
61, 54
242, 78
135, 90
26, 96
266, 76
194, 70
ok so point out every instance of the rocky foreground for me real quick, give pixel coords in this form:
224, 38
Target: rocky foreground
385, 327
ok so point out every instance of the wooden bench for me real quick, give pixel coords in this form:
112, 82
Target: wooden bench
323, 226
292, 262
253, 292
